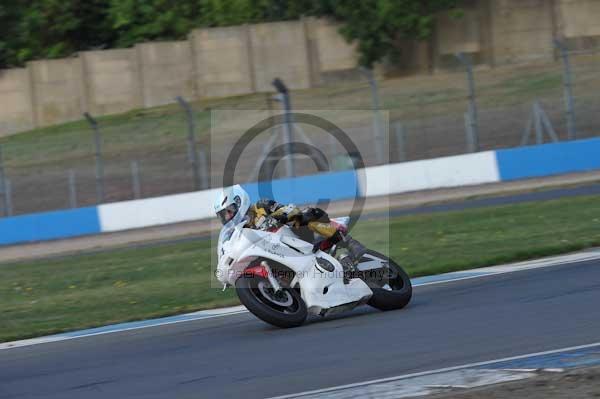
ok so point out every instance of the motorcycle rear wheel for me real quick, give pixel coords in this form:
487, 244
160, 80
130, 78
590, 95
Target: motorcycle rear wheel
284, 309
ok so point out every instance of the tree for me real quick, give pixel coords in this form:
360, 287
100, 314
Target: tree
143, 20
376, 24
58, 28
10, 11
52, 28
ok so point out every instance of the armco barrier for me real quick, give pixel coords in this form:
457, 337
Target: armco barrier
484, 167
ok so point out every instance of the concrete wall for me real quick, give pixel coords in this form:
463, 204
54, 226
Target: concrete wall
454, 35
522, 30
413, 58
113, 82
334, 52
332, 58
57, 89
167, 71
16, 110
221, 58
279, 50
460, 34
579, 18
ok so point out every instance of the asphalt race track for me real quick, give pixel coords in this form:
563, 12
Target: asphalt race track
499, 200
446, 325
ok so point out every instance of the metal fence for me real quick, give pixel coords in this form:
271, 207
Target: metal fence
169, 149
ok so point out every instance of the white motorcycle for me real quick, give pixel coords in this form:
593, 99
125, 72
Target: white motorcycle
281, 278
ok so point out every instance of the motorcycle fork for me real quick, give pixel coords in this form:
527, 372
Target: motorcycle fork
272, 280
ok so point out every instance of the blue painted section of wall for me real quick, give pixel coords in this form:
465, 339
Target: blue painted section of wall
549, 159
307, 189
49, 225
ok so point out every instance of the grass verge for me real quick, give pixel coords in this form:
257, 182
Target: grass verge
50, 296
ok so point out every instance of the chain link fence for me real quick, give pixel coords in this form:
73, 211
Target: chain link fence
168, 149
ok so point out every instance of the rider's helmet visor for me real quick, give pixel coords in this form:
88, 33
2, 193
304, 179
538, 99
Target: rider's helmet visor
225, 215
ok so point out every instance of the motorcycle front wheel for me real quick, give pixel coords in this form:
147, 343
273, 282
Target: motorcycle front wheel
390, 284
284, 308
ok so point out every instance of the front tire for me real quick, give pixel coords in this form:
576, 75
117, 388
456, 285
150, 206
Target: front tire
284, 309
394, 290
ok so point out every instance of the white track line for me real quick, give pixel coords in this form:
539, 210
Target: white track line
560, 260
430, 372
209, 314
201, 315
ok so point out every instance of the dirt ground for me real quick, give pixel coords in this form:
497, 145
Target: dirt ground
581, 383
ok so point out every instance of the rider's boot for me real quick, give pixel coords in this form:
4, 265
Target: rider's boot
350, 258
355, 248
338, 236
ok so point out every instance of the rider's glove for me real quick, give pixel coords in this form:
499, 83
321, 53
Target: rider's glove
286, 214
281, 217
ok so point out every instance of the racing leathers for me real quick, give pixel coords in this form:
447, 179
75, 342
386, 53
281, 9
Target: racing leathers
315, 219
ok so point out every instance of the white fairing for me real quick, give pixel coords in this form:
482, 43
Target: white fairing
320, 289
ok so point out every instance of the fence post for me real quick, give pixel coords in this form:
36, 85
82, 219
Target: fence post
568, 88
3, 182
527, 131
400, 142
288, 129
135, 180
98, 157
192, 154
8, 205
377, 125
546, 124
472, 142
203, 168
473, 114
72, 189
537, 123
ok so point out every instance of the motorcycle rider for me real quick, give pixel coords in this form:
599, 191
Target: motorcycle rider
233, 204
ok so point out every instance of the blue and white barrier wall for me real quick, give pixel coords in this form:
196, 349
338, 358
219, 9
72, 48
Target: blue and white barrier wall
169, 209
198, 205
49, 225
548, 159
461, 170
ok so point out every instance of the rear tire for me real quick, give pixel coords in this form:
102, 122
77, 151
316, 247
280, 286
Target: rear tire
399, 282
251, 291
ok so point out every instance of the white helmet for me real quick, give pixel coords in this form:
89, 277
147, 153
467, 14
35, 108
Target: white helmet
232, 204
